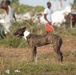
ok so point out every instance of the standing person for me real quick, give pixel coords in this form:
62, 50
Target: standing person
9, 14
47, 17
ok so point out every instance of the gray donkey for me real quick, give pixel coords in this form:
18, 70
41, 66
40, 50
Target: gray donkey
35, 41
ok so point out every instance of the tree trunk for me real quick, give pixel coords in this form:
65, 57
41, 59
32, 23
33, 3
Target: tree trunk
60, 4
54, 4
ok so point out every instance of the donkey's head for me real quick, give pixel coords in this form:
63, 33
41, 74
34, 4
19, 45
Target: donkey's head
20, 32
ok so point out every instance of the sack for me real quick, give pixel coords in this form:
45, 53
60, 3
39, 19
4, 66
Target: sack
49, 28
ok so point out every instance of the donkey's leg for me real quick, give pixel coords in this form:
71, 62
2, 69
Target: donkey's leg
59, 54
35, 54
32, 58
57, 47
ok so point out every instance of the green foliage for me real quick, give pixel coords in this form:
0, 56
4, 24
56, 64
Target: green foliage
20, 8
38, 8
74, 5
70, 32
46, 68
1, 11
14, 42
42, 69
15, 1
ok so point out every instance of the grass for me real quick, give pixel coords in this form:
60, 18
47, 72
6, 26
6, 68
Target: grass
14, 43
42, 67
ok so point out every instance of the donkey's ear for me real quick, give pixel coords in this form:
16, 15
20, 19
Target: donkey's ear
24, 28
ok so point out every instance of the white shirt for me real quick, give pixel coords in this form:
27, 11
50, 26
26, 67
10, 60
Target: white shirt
48, 12
9, 16
8, 19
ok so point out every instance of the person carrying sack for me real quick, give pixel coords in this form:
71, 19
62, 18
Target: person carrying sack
47, 17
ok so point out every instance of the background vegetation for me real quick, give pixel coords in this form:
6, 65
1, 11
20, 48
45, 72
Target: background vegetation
74, 5
33, 28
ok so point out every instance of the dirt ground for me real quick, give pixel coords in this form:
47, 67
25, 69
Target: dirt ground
69, 44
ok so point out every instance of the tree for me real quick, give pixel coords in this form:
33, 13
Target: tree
74, 5
60, 4
15, 1
38, 8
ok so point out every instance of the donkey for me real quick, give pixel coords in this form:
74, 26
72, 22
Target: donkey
35, 41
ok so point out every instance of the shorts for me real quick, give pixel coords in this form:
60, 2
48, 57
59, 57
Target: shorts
49, 28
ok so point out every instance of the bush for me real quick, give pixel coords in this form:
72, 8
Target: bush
33, 28
20, 42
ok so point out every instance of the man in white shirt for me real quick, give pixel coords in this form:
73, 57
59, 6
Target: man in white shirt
47, 17
9, 14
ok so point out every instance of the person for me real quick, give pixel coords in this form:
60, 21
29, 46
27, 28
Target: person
47, 16
9, 14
